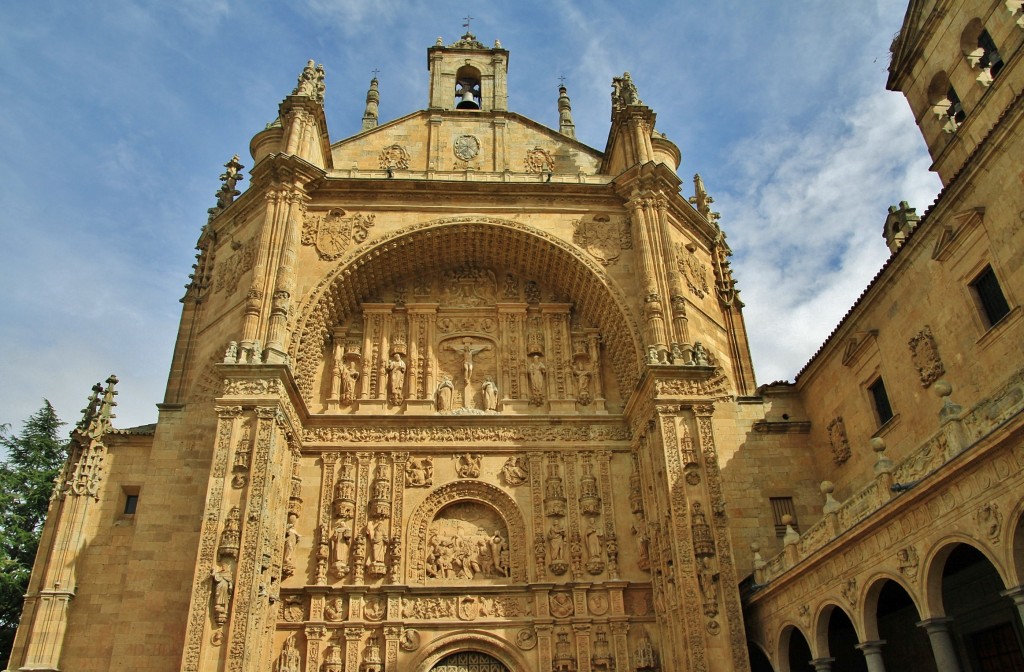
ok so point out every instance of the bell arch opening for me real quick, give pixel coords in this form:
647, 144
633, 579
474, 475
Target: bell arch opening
471, 260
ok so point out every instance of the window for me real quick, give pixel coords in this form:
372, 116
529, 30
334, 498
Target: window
881, 399
990, 296
945, 102
955, 109
131, 502
981, 52
990, 59
783, 506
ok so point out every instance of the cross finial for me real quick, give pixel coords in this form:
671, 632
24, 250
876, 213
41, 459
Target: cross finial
466, 20
561, 79
375, 71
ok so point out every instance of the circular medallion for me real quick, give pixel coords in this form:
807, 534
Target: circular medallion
467, 147
526, 639
692, 477
410, 640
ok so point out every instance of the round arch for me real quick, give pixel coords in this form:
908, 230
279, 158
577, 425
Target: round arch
787, 644
1015, 544
869, 611
931, 605
456, 241
466, 490
469, 640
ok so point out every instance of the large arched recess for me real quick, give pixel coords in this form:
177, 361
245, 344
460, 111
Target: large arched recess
457, 241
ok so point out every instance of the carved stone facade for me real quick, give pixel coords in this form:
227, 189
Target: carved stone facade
399, 433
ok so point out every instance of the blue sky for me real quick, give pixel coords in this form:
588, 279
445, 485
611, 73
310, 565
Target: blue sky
120, 115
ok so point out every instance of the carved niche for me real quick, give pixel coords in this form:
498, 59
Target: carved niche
456, 533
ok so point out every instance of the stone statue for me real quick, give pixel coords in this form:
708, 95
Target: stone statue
536, 371
222, 587
583, 375
468, 350
652, 354
556, 542
349, 377
707, 577
231, 354
490, 392
594, 537
396, 380
341, 546
376, 542
290, 660
445, 393
700, 355
291, 540
495, 545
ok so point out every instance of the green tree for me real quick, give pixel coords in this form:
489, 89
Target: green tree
26, 481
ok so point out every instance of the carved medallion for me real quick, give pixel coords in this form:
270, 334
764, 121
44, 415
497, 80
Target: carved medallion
600, 236
410, 640
538, 161
334, 233
925, 355
526, 639
466, 147
394, 156
598, 604
561, 605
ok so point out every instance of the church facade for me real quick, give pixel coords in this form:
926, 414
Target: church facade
461, 393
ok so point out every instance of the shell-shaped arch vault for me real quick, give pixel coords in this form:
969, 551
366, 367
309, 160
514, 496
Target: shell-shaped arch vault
457, 241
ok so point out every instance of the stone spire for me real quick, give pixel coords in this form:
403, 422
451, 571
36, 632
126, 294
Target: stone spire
565, 125
227, 192
372, 100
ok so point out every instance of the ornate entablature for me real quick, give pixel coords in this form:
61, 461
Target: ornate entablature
418, 320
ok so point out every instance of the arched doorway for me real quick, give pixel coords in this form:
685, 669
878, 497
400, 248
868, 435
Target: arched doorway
984, 626
759, 661
842, 643
469, 661
906, 644
795, 650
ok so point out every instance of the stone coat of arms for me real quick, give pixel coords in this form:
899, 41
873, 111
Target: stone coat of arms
601, 237
466, 147
334, 233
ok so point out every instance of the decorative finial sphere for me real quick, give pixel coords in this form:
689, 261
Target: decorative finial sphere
755, 547
827, 487
787, 519
877, 444
942, 388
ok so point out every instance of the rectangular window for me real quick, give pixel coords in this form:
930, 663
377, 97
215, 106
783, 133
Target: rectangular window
783, 506
881, 399
990, 296
131, 502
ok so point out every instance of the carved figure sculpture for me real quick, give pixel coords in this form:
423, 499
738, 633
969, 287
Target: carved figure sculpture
396, 380
643, 541
222, 587
594, 538
290, 660
700, 355
707, 577
583, 375
536, 371
468, 465
291, 540
444, 395
467, 349
376, 542
349, 377
495, 545
556, 542
515, 470
231, 354
652, 354
341, 546
419, 473
490, 393
335, 610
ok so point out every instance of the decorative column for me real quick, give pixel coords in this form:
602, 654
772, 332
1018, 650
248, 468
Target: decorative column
353, 637
652, 309
291, 221
1017, 595
872, 651
942, 643
620, 643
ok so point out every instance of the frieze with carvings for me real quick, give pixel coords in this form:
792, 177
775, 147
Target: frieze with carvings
252, 387
717, 386
925, 355
334, 233
502, 434
601, 236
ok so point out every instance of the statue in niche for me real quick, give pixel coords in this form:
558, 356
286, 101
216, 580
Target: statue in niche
468, 349
468, 465
444, 396
490, 394
341, 546
594, 537
419, 473
349, 377
536, 371
703, 541
291, 540
707, 577
467, 541
290, 660
396, 380
335, 610
515, 470
583, 375
376, 542
222, 587
556, 542
643, 541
